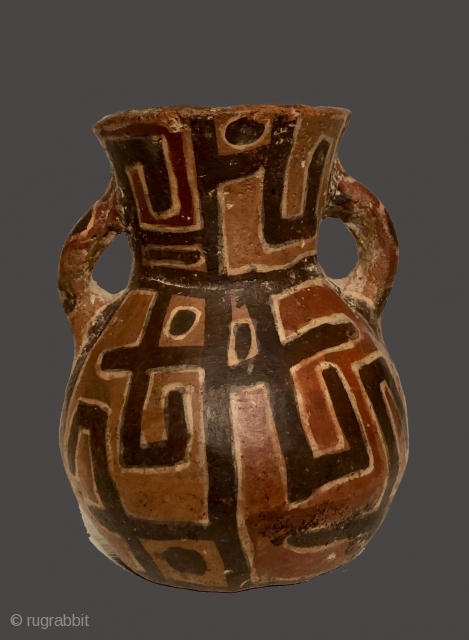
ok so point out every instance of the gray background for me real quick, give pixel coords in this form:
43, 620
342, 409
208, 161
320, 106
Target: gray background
402, 70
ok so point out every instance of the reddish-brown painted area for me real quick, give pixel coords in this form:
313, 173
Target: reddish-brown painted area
233, 419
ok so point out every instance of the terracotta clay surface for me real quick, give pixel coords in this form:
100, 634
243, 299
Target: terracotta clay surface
233, 419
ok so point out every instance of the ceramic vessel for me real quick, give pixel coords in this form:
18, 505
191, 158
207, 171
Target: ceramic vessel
233, 419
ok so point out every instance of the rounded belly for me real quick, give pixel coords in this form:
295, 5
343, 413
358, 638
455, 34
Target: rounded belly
218, 444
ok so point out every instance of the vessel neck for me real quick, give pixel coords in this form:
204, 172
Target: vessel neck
224, 192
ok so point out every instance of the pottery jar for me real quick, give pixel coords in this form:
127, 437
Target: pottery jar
233, 419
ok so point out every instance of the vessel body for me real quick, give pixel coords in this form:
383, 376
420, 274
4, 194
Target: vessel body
233, 419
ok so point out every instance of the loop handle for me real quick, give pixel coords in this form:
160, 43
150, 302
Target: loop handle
365, 217
80, 295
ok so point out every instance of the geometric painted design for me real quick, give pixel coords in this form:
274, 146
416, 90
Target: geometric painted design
267, 196
243, 344
324, 416
165, 196
306, 306
191, 561
184, 322
232, 422
317, 395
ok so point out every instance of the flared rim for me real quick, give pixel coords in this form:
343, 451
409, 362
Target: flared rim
175, 116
